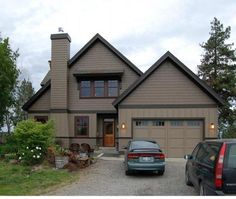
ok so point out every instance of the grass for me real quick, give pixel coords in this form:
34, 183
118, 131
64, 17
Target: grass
20, 180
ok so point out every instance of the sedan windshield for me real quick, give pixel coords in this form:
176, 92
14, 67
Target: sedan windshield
144, 145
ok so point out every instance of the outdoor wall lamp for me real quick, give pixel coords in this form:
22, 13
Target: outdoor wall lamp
123, 125
212, 126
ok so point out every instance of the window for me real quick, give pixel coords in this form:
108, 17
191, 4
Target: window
85, 90
193, 123
42, 119
81, 126
158, 123
112, 88
142, 123
230, 156
207, 154
176, 123
99, 88
194, 153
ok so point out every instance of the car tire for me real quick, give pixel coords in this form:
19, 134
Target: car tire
128, 172
202, 191
187, 180
161, 172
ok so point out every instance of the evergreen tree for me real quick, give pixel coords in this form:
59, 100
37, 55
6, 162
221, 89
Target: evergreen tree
23, 93
218, 69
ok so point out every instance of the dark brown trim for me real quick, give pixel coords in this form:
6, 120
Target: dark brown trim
96, 38
37, 95
166, 118
60, 36
39, 111
94, 111
168, 56
105, 75
150, 106
70, 137
59, 110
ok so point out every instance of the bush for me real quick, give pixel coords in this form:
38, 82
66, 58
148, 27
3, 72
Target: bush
32, 139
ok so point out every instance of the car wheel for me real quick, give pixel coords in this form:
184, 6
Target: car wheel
161, 172
202, 191
187, 180
128, 172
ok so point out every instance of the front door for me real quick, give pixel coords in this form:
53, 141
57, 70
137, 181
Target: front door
108, 132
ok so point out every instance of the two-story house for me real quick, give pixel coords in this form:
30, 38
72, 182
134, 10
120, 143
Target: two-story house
99, 97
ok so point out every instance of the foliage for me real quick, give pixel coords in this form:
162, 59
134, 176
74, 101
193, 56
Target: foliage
33, 138
218, 69
230, 132
8, 76
24, 92
21, 180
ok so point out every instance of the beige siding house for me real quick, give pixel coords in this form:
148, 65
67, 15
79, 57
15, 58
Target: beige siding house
99, 97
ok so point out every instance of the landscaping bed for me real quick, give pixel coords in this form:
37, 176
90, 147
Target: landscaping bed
16, 179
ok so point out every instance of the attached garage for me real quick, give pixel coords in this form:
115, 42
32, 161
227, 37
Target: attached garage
176, 137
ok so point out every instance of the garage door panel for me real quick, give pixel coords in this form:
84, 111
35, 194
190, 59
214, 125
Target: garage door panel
141, 132
176, 133
158, 133
191, 142
175, 152
175, 143
193, 133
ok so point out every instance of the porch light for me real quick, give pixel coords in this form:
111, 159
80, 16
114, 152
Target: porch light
212, 126
123, 125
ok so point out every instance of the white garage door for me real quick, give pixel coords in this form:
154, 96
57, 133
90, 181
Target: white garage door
176, 137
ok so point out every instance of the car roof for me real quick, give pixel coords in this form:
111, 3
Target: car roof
222, 140
144, 139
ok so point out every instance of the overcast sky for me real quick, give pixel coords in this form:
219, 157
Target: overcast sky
143, 30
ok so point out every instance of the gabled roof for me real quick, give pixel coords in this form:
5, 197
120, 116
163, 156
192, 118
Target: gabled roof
46, 78
39, 93
96, 38
168, 56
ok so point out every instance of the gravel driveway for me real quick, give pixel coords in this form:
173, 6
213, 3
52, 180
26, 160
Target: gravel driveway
107, 177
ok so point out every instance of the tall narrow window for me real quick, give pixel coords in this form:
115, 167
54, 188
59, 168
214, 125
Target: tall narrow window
81, 126
99, 89
85, 89
112, 88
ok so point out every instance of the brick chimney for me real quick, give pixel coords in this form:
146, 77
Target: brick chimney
60, 54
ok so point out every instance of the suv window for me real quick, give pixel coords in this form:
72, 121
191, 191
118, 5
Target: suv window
207, 153
230, 160
194, 153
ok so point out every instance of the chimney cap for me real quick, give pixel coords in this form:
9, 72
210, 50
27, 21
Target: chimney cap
60, 36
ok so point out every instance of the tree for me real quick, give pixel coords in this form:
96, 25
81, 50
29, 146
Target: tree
8, 76
23, 93
218, 69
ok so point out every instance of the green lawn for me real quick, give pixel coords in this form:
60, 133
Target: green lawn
20, 180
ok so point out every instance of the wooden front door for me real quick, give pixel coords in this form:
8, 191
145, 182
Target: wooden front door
108, 132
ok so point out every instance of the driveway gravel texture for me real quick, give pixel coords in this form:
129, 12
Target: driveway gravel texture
107, 178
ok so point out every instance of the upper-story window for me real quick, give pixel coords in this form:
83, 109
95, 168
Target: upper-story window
85, 88
99, 88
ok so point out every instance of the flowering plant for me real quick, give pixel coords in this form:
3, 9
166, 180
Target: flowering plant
31, 155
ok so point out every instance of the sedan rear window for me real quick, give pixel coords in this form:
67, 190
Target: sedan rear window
230, 158
143, 144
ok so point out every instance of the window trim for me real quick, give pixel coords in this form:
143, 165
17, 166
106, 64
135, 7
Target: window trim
75, 125
92, 89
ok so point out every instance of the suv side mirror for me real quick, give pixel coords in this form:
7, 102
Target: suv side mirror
125, 147
188, 157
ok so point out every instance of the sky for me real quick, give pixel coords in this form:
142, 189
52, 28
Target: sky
142, 30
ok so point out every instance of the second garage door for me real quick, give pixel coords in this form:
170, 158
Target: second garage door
176, 137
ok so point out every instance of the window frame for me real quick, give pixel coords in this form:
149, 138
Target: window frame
76, 118
92, 89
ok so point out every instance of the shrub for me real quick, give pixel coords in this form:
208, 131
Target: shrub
32, 139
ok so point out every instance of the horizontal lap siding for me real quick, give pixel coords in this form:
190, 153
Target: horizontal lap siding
42, 103
98, 57
168, 85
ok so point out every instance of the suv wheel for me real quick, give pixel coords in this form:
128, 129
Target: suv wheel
201, 190
128, 172
187, 180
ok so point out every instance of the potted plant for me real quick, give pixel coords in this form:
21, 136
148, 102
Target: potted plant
61, 157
